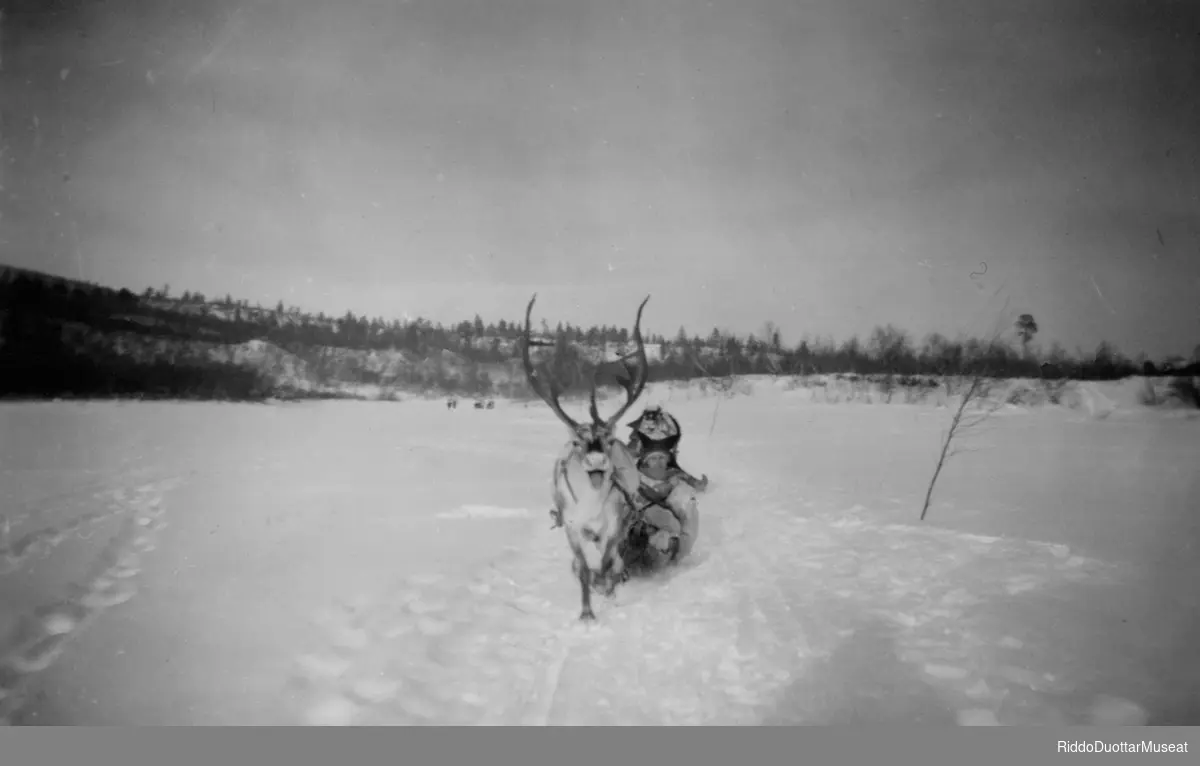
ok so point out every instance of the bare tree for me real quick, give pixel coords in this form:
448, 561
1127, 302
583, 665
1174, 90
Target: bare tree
1027, 327
890, 347
771, 336
977, 390
724, 386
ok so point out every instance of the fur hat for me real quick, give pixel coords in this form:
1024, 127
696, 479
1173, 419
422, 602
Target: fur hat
652, 410
657, 427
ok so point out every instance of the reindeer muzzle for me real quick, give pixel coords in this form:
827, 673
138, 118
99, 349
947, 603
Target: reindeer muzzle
597, 465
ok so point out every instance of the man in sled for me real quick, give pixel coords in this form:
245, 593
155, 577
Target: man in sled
657, 429
666, 499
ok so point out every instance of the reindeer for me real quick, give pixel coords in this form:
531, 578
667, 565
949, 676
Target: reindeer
595, 477
451, 403
478, 404
491, 405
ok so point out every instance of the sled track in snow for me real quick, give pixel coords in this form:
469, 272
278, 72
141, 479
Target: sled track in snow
506, 648
33, 640
748, 631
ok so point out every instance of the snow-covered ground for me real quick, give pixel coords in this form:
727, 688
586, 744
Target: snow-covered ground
392, 563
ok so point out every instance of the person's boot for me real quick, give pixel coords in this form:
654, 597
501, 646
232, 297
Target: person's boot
673, 549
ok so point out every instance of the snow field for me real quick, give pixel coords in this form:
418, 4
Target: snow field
347, 563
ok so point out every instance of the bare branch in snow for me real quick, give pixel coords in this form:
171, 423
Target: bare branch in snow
975, 391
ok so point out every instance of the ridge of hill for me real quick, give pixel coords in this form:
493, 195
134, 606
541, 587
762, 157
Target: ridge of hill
61, 337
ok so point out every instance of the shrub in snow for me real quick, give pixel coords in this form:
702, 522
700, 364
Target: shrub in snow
1184, 391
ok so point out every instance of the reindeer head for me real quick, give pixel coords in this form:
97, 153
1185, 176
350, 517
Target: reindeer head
594, 479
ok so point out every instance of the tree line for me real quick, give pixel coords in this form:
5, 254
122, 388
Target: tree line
59, 338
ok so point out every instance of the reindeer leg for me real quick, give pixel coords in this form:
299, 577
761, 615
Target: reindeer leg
585, 590
614, 579
614, 566
618, 570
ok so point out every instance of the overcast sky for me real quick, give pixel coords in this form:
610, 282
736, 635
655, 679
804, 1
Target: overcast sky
826, 164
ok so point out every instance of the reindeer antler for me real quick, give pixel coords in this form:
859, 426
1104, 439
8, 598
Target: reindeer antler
637, 377
550, 393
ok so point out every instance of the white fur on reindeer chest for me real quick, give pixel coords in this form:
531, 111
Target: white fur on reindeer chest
591, 502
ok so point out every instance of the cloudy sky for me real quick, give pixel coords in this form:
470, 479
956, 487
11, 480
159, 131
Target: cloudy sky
825, 164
